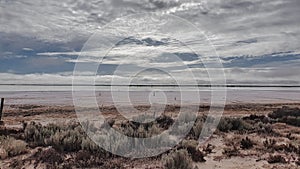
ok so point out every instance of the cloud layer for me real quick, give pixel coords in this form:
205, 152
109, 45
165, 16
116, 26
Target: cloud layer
257, 41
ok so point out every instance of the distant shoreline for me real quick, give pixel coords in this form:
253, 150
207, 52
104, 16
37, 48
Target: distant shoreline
157, 85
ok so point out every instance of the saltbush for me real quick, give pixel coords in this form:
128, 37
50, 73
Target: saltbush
233, 124
12, 147
179, 159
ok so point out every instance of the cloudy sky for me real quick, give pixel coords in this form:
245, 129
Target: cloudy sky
258, 41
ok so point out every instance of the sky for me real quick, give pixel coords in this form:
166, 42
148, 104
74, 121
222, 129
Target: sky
257, 41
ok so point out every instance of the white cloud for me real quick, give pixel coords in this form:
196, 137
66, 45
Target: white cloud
274, 23
28, 49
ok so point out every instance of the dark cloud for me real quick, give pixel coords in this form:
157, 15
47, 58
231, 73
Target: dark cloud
254, 61
145, 41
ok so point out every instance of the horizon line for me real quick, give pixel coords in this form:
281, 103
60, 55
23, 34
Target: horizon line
156, 85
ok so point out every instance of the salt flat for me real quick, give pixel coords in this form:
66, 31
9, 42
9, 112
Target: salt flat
56, 95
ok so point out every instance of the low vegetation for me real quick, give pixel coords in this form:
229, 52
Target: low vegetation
246, 143
233, 124
290, 116
68, 146
179, 159
276, 159
10, 147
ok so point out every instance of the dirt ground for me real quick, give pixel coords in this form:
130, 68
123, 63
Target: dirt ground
15, 114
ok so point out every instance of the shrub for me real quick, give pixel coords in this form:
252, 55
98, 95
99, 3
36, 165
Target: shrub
192, 147
269, 143
164, 121
256, 118
50, 156
196, 155
290, 120
197, 129
262, 128
181, 129
143, 118
64, 137
178, 160
276, 159
246, 143
145, 129
285, 111
186, 117
287, 115
230, 124
290, 148
82, 155
33, 133
88, 145
65, 140
12, 147
231, 151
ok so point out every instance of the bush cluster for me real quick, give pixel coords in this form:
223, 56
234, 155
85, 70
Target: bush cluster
233, 124
179, 159
11, 147
290, 116
192, 147
284, 112
67, 137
